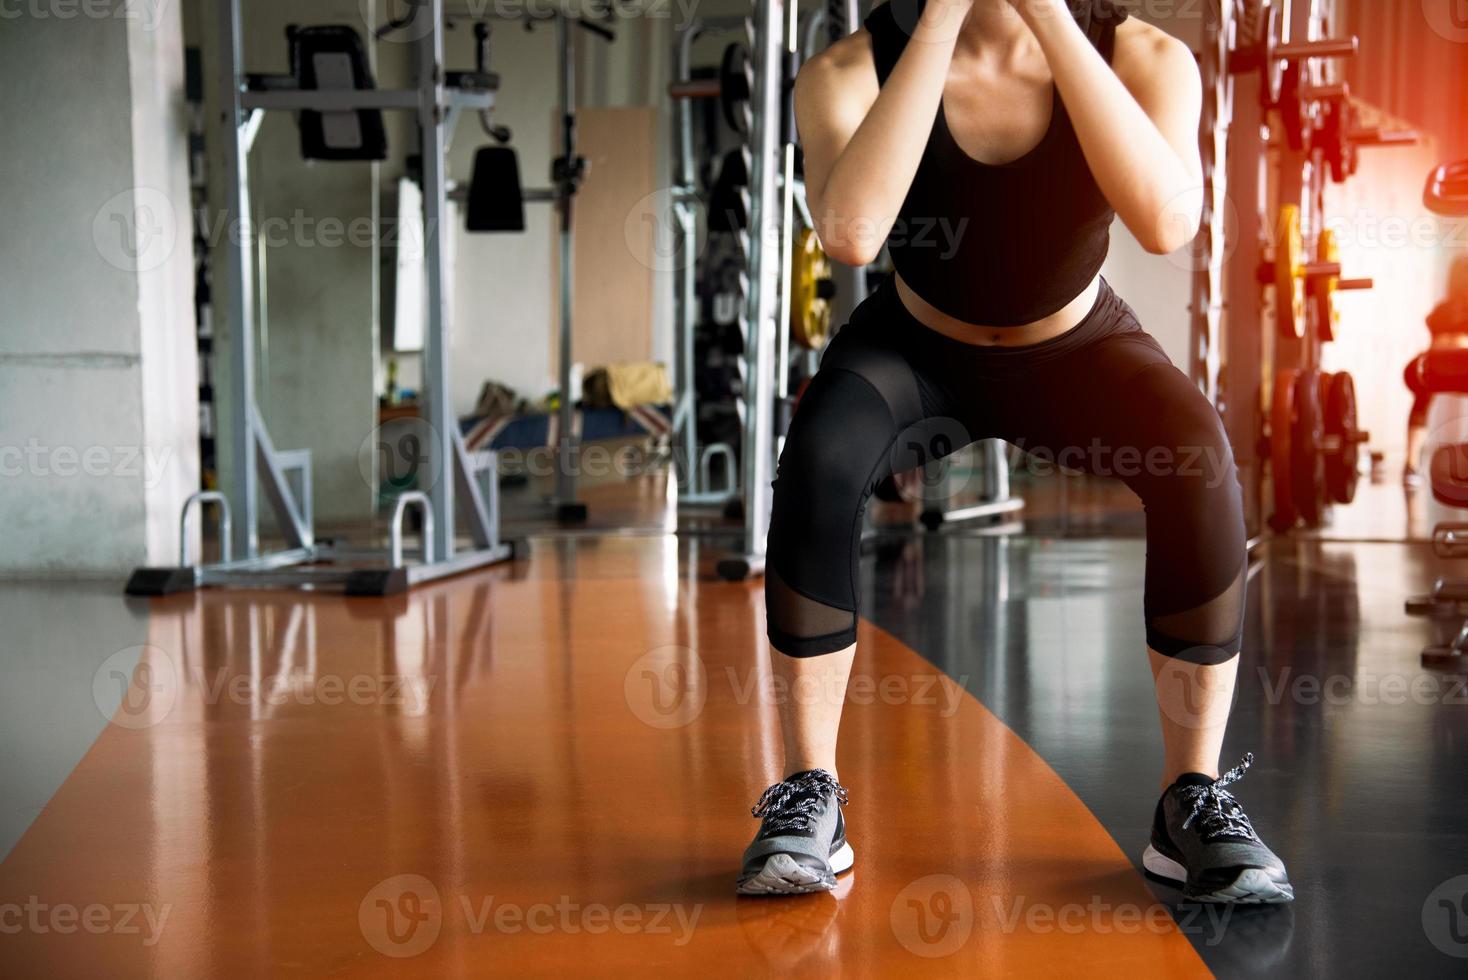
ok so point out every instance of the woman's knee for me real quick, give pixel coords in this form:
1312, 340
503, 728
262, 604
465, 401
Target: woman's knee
833, 457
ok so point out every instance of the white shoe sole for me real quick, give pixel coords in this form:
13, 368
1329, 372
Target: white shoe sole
783, 875
1253, 886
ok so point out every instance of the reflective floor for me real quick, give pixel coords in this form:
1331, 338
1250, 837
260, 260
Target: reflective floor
1360, 752
546, 768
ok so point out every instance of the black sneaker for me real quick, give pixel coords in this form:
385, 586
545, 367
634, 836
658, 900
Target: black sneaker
801, 845
1203, 841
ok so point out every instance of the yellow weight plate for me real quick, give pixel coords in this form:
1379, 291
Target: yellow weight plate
810, 288
1289, 271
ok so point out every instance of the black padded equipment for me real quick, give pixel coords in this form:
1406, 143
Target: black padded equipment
333, 58
496, 202
1447, 190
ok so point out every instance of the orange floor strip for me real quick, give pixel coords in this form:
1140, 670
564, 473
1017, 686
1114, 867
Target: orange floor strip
545, 770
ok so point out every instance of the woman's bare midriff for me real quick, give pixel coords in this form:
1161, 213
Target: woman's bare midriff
1061, 322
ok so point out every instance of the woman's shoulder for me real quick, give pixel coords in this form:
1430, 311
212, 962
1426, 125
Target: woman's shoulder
1144, 50
850, 55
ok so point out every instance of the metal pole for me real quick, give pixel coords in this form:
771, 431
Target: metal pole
565, 492
843, 17
1206, 354
685, 298
437, 408
787, 217
763, 300
236, 262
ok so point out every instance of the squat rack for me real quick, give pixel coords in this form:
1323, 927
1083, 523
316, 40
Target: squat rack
466, 484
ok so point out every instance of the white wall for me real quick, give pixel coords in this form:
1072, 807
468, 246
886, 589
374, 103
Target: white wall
98, 383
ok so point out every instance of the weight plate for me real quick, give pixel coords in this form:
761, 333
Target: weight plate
1329, 139
1281, 435
1294, 111
1324, 289
1289, 272
728, 202
810, 293
734, 93
1267, 35
1343, 462
1307, 457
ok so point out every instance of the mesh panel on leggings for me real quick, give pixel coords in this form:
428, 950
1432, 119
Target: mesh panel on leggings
1207, 633
793, 615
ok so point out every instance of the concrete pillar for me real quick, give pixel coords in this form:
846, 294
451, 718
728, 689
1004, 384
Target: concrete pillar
98, 367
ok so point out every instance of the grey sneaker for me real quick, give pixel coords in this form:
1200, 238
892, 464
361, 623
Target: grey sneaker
801, 845
1203, 841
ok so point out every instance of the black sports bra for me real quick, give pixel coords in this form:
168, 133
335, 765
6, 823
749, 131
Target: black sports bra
999, 245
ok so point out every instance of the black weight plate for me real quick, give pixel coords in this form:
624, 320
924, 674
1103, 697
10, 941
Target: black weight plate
734, 92
1281, 460
1293, 111
1306, 456
1342, 468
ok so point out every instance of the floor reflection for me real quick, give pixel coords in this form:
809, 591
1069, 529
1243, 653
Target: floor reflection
1360, 750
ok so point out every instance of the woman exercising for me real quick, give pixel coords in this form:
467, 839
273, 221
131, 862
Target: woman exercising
1448, 324
990, 143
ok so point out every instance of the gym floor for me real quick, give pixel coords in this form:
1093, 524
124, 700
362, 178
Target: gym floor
548, 764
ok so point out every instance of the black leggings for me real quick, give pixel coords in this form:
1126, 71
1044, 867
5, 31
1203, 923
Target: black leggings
892, 394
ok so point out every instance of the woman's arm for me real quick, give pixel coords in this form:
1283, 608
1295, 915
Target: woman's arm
863, 142
1137, 124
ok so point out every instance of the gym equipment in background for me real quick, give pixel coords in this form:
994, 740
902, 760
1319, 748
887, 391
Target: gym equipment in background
769, 144
752, 202
1447, 190
1296, 129
1297, 281
1314, 444
1445, 372
467, 488
727, 212
495, 202
812, 290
